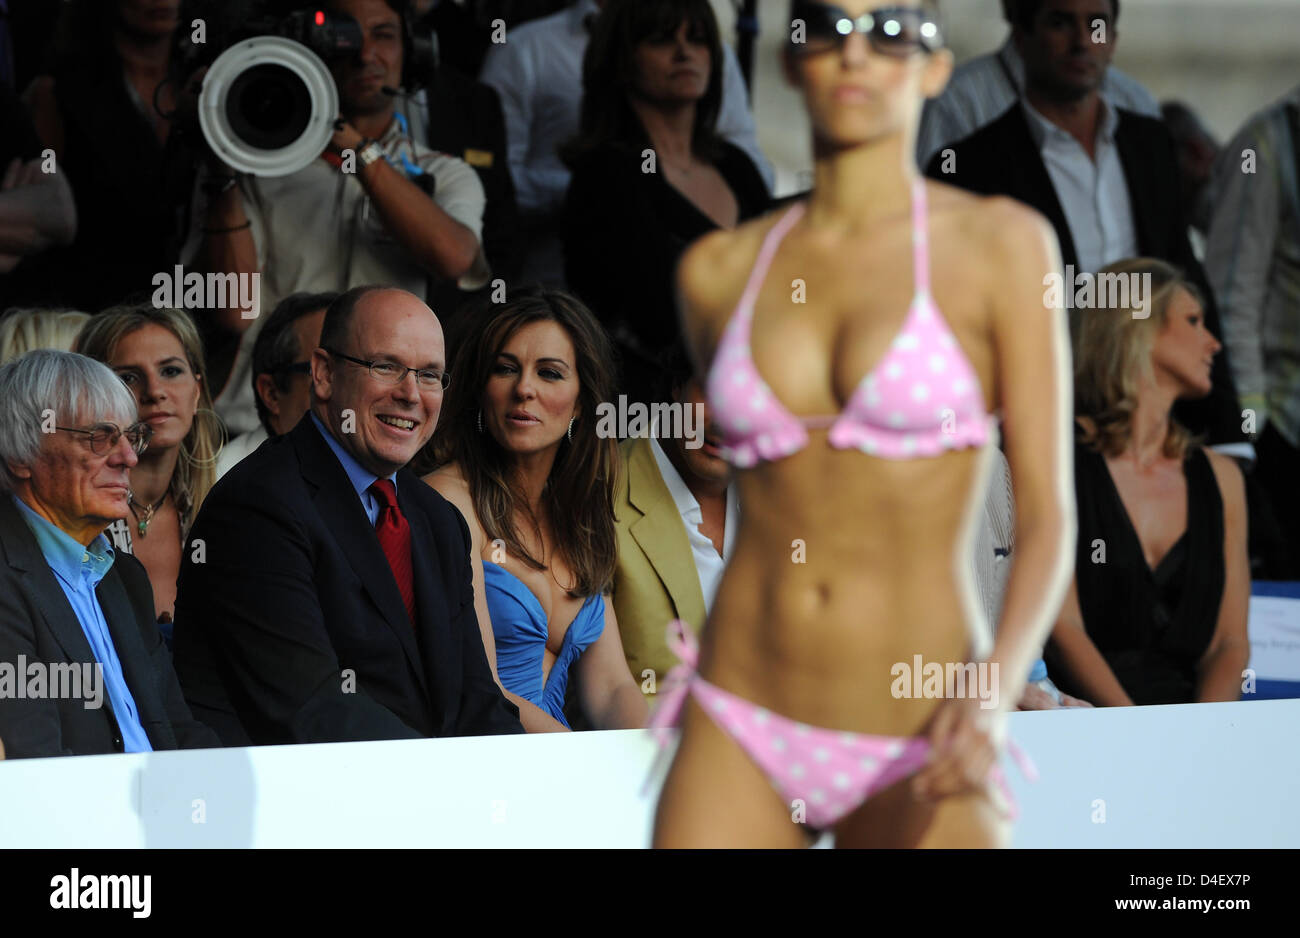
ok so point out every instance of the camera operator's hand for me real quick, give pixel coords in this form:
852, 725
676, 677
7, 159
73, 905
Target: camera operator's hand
346, 137
187, 98
187, 115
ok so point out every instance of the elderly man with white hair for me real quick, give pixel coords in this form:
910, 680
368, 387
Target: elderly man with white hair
83, 668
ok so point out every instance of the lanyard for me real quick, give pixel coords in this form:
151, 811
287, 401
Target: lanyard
412, 170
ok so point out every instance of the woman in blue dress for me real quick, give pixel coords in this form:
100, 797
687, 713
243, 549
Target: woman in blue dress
518, 453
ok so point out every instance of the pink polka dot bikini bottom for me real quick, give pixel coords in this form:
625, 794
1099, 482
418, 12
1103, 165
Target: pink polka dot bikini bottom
827, 773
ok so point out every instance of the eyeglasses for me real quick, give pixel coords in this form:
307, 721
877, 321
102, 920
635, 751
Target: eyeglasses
393, 373
893, 31
104, 436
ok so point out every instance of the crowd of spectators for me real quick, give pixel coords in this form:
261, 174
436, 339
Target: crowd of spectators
382, 506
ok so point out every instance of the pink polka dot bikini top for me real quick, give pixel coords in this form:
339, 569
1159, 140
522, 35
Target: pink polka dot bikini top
923, 398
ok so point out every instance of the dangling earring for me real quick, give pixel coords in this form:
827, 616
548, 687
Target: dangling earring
480, 420
571, 419
214, 439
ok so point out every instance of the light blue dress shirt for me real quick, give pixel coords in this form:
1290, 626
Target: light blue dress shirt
360, 477
78, 570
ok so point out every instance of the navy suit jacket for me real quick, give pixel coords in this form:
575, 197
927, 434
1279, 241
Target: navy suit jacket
289, 624
38, 623
1002, 159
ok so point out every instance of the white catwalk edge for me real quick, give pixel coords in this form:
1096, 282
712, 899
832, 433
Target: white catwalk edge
1195, 775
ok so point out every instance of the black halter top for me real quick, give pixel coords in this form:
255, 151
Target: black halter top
1151, 625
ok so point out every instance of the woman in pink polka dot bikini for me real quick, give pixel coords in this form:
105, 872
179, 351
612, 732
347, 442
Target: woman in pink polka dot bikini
898, 309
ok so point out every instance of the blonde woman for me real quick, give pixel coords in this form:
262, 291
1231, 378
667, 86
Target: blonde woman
22, 330
1157, 609
158, 355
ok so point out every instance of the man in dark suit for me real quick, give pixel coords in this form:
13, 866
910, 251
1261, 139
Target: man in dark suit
326, 593
1106, 178
83, 668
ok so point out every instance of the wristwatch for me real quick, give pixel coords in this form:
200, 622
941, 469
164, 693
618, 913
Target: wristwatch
369, 152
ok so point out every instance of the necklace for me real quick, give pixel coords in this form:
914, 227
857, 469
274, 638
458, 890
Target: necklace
142, 524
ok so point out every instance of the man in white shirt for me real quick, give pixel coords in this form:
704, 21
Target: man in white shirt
537, 72
981, 90
1090, 186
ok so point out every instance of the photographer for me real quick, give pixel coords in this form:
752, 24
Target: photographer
377, 207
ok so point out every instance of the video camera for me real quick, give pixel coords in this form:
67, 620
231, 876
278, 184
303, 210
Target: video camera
269, 104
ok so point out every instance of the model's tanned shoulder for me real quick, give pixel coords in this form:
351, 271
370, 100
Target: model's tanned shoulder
711, 277
996, 254
996, 225
1012, 241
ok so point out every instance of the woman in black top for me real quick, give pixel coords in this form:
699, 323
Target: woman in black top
649, 174
1157, 609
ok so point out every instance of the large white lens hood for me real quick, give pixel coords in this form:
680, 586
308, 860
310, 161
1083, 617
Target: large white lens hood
217, 84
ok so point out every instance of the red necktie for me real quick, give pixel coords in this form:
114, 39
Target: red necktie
395, 538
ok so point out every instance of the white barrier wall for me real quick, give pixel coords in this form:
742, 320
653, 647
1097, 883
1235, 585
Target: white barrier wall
1207, 775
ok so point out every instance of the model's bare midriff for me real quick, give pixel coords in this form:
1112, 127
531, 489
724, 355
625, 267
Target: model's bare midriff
826, 590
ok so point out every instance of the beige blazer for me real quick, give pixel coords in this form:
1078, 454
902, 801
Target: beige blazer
656, 580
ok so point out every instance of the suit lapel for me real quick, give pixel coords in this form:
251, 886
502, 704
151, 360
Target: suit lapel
431, 621
661, 533
40, 584
1034, 183
42, 587
354, 536
132, 656
1141, 190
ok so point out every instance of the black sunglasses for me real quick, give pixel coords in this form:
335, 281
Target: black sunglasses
894, 31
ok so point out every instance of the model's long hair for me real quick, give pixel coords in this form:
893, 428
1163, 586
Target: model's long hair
1112, 358
579, 494
196, 469
609, 75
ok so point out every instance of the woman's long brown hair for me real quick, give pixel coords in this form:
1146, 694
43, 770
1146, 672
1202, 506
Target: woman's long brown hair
579, 494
